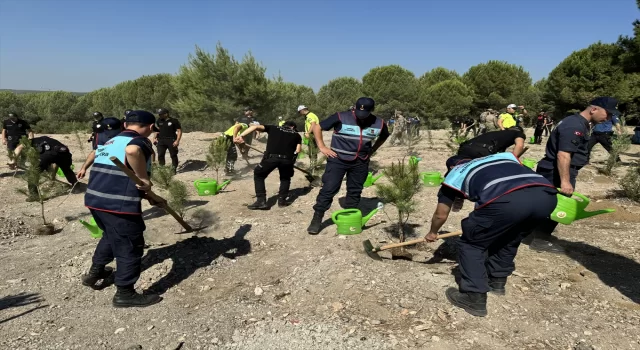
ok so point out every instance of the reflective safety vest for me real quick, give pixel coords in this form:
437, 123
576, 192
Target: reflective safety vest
508, 120
351, 141
483, 180
109, 187
229, 131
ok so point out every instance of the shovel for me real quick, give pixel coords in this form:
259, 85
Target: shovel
307, 175
162, 203
373, 251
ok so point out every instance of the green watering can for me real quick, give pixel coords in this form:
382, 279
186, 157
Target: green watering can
529, 163
93, 228
301, 155
532, 140
209, 187
371, 179
431, 178
61, 174
570, 209
414, 160
350, 221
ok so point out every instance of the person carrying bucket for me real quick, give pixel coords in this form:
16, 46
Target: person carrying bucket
567, 151
283, 145
493, 231
351, 146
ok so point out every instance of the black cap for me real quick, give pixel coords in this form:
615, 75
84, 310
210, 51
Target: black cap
97, 114
610, 104
456, 160
290, 124
140, 116
161, 111
112, 127
246, 109
13, 115
126, 113
364, 107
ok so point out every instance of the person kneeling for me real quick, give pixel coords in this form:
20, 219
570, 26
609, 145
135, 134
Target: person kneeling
494, 229
283, 145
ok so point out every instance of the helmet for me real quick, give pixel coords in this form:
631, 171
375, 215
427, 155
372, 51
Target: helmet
161, 111
97, 115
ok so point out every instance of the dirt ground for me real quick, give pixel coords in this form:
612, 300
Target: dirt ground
257, 280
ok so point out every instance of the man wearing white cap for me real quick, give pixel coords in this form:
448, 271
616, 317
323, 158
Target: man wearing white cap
511, 118
310, 120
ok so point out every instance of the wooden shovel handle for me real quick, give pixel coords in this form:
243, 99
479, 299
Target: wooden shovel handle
416, 241
150, 194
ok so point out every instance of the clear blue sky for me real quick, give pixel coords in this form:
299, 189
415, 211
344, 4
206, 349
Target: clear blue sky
81, 45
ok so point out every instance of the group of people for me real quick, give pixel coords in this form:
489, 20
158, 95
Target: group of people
482, 171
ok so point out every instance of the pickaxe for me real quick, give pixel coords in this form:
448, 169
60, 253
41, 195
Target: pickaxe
373, 251
162, 203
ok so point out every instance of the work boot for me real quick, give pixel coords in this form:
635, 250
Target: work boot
316, 222
128, 297
96, 273
283, 202
497, 285
473, 303
542, 245
260, 204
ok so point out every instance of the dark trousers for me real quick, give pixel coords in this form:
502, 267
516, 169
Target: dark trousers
603, 138
546, 226
266, 166
122, 240
335, 170
163, 145
12, 145
474, 151
538, 134
492, 234
63, 160
232, 153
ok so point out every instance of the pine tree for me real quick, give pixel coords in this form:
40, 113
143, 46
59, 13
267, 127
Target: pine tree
162, 176
217, 156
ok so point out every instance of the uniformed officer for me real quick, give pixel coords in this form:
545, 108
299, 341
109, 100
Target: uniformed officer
52, 152
603, 132
96, 128
13, 129
493, 231
511, 117
167, 137
115, 203
232, 154
351, 147
247, 119
111, 127
283, 145
488, 121
566, 153
494, 142
124, 119
311, 119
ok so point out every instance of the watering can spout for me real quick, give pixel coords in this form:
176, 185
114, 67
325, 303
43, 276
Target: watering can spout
223, 185
371, 214
588, 214
375, 178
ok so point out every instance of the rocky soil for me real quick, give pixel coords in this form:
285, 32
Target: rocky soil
257, 280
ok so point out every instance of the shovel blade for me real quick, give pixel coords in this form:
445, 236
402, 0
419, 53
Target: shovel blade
192, 230
368, 248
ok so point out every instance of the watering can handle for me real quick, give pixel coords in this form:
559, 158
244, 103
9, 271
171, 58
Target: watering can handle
334, 215
579, 195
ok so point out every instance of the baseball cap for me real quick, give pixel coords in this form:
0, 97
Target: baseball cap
97, 114
301, 107
112, 127
610, 104
127, 112
140, 116
13, 115
161, 111
512, 106
364, 107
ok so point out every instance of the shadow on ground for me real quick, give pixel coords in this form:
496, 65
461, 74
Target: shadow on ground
20, 299
293, 195
194, 253
156, 212
192, 165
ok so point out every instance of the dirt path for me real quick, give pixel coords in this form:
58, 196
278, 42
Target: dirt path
257, 280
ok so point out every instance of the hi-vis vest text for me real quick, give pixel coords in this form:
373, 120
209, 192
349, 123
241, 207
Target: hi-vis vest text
485, 179
109, 187
351, 141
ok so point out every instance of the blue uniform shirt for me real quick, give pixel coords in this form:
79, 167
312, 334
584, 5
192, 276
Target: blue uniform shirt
571, 136
607, 125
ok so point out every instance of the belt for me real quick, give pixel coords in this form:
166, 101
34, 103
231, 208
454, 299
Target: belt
554, 163
603, 132
280, 156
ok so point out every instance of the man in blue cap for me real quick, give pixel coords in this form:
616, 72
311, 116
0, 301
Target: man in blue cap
566, 153
115, 203
493, 231
351, 146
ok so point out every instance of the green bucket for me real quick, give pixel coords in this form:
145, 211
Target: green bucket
61, 174
570, 209
93, 228
431, 178
532, 140
529, 163
209, 187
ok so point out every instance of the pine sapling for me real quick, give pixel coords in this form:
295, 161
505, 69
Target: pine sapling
217, 156
399, 191
630, 183
162, 176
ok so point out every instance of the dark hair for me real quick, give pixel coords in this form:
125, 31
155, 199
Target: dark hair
290, 124
137, 124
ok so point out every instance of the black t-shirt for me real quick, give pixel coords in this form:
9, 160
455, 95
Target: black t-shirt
282, 140
501, 139
15, 129
45, 144
571, 136
167, 128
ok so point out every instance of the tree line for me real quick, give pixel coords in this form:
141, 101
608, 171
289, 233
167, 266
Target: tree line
209, 91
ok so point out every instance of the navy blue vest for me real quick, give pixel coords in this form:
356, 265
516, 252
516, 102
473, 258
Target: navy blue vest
109, 187
351, 141
485, 179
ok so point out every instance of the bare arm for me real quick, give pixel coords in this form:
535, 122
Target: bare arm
179, 131
500, 120
30, 134
4, 136
136, 160
440, 216
564, 162
87, 163
236, 129
518, 149
251, 129
298, 148
317, 134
